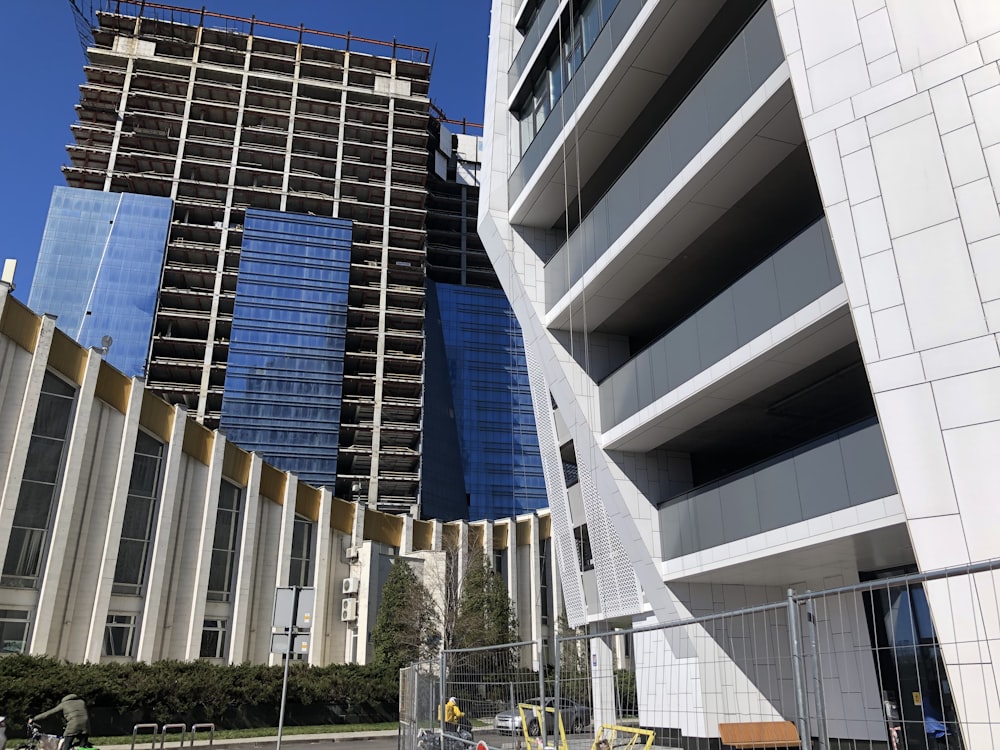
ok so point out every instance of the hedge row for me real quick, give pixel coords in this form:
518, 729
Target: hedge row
120, 695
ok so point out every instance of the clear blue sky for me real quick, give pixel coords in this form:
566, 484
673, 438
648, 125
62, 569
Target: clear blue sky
43, 61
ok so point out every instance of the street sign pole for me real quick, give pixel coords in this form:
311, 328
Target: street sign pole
290, 624
284, 689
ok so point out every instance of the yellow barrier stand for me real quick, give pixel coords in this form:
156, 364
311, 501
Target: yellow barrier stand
615, 737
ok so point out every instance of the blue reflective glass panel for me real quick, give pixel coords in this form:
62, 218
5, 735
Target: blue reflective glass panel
286, 354
99, 269
492, 400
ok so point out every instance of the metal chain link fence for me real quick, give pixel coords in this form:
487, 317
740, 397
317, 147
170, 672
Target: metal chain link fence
909, 662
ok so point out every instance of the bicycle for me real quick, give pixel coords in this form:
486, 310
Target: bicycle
39, 740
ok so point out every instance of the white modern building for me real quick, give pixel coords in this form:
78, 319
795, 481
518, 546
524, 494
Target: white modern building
754, 249
130, 531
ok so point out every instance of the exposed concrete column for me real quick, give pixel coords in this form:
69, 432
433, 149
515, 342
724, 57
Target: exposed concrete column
323, 578
437, 536
55, 576
186, 118
120, 118
203, 562
406, 538
113, 529
243, 600
383, 303
512, 590
287, 529
339, 169
22, 433
290, 137
462, 553
535, 590
488, 544
358, 527
150, 636
227, 219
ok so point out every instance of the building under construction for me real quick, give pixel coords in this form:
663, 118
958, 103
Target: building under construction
242, 134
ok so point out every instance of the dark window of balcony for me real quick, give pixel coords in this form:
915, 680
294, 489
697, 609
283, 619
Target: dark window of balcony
583, 551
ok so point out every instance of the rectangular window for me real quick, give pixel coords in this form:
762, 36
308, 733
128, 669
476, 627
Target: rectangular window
140, 516
222, 569
213, 639
300, 570
40, 484
13, 631
119, 635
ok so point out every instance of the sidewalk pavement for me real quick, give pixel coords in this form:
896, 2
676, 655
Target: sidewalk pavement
145, 742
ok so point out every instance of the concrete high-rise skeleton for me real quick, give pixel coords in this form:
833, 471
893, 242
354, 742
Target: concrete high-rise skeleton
232, 145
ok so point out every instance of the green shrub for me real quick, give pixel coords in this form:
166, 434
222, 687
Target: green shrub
120, 695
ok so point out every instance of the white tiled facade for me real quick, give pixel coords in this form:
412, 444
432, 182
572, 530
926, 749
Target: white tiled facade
61, 596
595, 218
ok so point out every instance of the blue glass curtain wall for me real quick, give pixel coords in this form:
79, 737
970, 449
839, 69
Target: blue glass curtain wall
99, 269
492, 402
284, 379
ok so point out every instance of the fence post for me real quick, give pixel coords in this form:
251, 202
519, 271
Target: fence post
441, 700
802, 718
541, 692
824, 737
556, 692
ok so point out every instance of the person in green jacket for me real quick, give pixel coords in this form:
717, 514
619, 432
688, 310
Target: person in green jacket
74, 711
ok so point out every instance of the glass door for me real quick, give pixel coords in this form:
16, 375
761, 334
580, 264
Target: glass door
920, 711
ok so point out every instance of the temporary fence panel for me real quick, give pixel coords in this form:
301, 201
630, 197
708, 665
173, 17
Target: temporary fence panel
489, 683
900, 663
419, 698
682, 680
905, 663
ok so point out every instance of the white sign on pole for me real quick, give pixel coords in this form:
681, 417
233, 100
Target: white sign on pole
284, 608
279, 643
304, 610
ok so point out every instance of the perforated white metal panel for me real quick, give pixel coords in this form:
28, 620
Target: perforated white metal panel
555, 485
617, 587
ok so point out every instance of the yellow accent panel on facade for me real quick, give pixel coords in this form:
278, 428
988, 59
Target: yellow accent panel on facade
423, 535
450, 536
155, 415
383, 527
477, 535
236, 464
114, 389
272, 484
544, 527
307, 501
342, 515
500, 533
523, 532
198, 442
68, 357
19, 324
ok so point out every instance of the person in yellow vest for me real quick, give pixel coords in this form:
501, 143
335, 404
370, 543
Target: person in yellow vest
452, 713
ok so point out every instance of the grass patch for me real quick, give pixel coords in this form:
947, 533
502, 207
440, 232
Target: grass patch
145, 740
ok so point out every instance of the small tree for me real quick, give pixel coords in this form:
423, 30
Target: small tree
485, 614
406, 629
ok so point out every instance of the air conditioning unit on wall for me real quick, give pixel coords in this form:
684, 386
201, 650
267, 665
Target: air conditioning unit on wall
350, 585
349, 610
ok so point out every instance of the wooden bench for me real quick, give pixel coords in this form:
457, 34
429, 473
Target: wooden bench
759, 734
